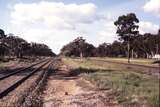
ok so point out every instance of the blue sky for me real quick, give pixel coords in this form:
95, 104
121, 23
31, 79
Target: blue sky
56, 22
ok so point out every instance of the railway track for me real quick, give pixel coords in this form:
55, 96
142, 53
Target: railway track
20, 70
14, 83
34, 96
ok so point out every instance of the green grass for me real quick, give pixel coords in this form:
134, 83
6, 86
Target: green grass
128, 86
132, 88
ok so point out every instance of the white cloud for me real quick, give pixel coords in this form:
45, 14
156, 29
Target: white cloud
152, 6
109, 33
148, 27
56, 23
53, 23
54, 15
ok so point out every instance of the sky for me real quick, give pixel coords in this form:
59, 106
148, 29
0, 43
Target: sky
57, 22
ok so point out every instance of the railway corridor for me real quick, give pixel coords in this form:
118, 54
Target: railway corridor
63, 90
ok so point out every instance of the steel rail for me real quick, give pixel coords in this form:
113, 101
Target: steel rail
39, 85
18, 71
19, 82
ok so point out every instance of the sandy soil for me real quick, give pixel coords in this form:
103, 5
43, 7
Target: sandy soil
66, 91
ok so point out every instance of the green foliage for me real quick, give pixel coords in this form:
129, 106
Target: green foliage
127, 29
126, 26
15, 46
2, 34
78, 47
112, 50
129, 87
149, 44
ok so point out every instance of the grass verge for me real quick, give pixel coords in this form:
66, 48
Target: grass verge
131, 87
147, 62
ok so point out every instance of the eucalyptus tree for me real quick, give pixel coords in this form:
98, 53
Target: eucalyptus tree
127, 29
78, 48
37, 49
15, 45
158, 42
147, 45
3, 49
80, 45
3, 46
103, 49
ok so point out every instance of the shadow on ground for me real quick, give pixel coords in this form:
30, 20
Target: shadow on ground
78, 71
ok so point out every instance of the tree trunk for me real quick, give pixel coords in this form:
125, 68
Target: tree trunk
132, 53
136, 55
1, 57
159, 67
147, 55
152, 53
157, 48
20, 55
128, 47
81, 55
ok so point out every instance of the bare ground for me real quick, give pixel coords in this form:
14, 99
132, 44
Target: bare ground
63, 90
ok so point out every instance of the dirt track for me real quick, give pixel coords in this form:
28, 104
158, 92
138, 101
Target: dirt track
63, 90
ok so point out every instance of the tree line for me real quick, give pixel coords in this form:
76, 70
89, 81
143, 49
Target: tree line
15, 46
130, 44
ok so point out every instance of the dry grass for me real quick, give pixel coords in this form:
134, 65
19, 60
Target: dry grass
131, 86
140, 61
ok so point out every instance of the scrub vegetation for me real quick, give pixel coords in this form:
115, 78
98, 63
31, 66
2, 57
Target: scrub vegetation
131, 87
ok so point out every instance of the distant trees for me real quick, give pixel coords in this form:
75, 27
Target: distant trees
147, 45
80, 45
40, 50
79, 48
144, 46
3, 46
3, 49
15, 46
88, 50
130, 42
127, 29
103, 49
116, 49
